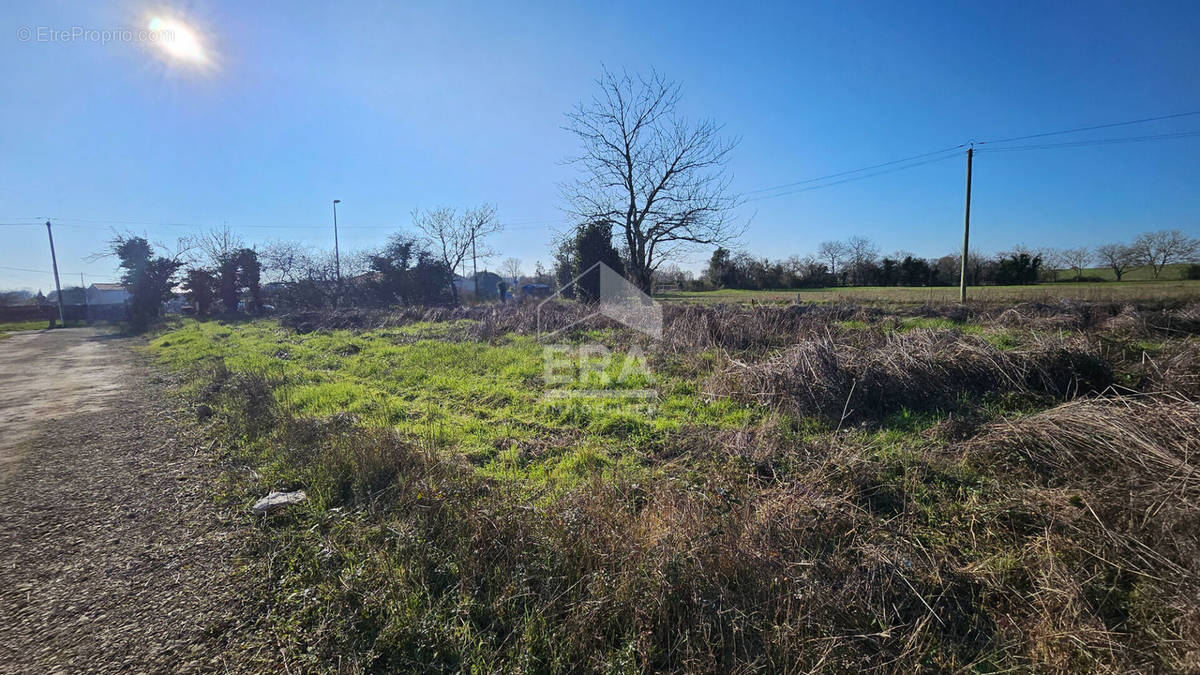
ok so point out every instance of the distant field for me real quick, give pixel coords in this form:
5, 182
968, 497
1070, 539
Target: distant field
1095, 292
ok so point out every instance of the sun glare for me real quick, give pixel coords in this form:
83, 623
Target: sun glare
177, 41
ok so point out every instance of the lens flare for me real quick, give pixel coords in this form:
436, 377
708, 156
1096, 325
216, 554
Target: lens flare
177, 41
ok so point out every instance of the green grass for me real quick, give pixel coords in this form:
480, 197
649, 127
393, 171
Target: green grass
485, 400
14, 326
39, 324
23, 325
496, 531
1094, 292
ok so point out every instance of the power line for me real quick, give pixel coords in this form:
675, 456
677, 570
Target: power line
27, 269
906, 162
935, 158
1098, 141
1092, 128
851, 171
854, 178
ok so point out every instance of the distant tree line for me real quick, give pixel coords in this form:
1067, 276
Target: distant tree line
217, 273
857, 262
412, 268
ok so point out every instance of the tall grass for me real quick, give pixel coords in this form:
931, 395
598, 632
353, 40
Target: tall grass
990, 504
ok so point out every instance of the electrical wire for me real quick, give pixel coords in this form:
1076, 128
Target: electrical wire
815, 183
1098, 141
50, 272
1091, 128
851, 171
854, 178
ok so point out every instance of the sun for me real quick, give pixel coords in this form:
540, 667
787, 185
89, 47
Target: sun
177, 40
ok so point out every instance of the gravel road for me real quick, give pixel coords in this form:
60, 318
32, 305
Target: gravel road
113, 556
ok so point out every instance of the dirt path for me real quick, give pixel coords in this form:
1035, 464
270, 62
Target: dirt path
112, 554
45, 374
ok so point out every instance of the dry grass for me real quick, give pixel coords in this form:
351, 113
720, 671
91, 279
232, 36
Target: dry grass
1175, 370
1060, 535
1126, 469
871, 374
1152, 441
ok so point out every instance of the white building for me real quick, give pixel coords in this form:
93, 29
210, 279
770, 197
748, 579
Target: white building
107, 294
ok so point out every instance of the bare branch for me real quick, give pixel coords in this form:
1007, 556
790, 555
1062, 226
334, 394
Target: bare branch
644, 168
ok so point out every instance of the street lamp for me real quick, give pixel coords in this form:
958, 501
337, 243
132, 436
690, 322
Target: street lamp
337, 258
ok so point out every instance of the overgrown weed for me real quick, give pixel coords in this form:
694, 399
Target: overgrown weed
973, 506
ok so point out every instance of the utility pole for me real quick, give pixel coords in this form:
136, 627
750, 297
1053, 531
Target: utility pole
962, 279
337, 257
58, 287
87, 309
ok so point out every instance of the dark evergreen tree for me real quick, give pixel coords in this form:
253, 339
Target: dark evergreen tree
593, 244
149, 278
200, 286
1018, 268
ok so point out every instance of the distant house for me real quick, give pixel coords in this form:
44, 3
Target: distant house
487, 285
107, 294
464, 285
536, 290
484, 285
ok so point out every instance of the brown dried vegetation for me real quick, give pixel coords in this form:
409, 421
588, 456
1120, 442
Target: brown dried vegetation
1023, 495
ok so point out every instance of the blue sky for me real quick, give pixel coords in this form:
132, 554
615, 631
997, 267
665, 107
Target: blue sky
390, 106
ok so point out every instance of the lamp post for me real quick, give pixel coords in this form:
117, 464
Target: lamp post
337, 258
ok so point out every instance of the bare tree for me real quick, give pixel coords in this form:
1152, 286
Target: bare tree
950, 266
218, 244
1117, 257
1165, 247
649, 172
833, 252
1074, 259
455, 237
449, 244
861, 252
511, 268
479, 223
288, 262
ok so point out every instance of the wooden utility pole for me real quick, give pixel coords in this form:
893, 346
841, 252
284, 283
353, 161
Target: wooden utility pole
337, 256
962, 278
87, 313
58, 287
